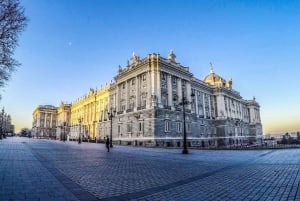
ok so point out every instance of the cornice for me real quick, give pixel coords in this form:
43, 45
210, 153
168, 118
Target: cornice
177, 67
198, 84
132, 72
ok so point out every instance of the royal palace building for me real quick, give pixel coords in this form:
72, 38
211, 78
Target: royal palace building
152, 102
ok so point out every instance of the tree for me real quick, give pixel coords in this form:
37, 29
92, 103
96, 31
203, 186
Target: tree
12, 23
25, 132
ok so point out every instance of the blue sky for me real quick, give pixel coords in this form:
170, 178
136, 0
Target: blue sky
71, 45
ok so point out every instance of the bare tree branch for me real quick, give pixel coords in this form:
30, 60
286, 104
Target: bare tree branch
12, 22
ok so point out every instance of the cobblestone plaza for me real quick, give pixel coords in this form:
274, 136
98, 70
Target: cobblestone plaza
34, 169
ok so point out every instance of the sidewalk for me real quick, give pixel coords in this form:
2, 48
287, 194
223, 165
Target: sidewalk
34, 169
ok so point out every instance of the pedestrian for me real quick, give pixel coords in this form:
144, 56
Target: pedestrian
107, 144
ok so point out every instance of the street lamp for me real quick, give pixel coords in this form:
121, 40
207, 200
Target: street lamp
184, 102
79, 135
5, 121
111, 114
1, 125
64, 136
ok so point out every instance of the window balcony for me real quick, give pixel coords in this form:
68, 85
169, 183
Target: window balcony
141, 107
178, 109
129, 110
167, 107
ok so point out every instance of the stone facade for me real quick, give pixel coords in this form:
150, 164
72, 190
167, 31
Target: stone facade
63, 121
148, 95
44, 122
147, 99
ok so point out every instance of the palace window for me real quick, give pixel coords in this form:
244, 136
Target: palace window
167, 125
188, 127
163, 76
141, 126
131, 103
178, 127
129, 127
164, 99
174, 81
183, 84
144, 77
201, 129
119, 129
143, 102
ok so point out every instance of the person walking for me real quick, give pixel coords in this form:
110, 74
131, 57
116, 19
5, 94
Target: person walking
107, 144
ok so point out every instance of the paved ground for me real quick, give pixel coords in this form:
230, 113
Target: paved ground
46, 170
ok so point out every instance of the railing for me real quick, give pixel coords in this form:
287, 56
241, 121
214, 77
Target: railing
120, 112
167, 107
129, 110
178, 109
141, 107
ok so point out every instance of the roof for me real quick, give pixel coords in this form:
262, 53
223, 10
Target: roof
214, 79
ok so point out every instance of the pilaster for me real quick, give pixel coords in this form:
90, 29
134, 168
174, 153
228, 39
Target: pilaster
179, 89
188, 94
149, 89
220, 106
137, 93
126, 95
170, 94
196, 102
203, 105
209, 105
153, 82
158, 85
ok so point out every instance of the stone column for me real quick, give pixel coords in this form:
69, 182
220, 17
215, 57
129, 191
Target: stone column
51, 120
45, 124
196, 103
137, 93
170, 95
188, 94
179, 90
220, 106
126, 95
203, 105
117, 104
229, 107
115, 100
149, 89
209, 105
158, 85
153, 81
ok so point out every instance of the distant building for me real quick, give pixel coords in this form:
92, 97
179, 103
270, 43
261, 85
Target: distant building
63, 121
146, 99
44, 122
87, 111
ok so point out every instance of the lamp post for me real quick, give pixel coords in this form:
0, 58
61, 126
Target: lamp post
111, 114
60, 129
4, 130
1, 125
79, 135
184, 102
64, 136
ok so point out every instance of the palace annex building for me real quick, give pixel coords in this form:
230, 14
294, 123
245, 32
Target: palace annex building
152, 102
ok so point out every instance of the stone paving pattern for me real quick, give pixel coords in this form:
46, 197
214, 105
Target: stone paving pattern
40, 169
